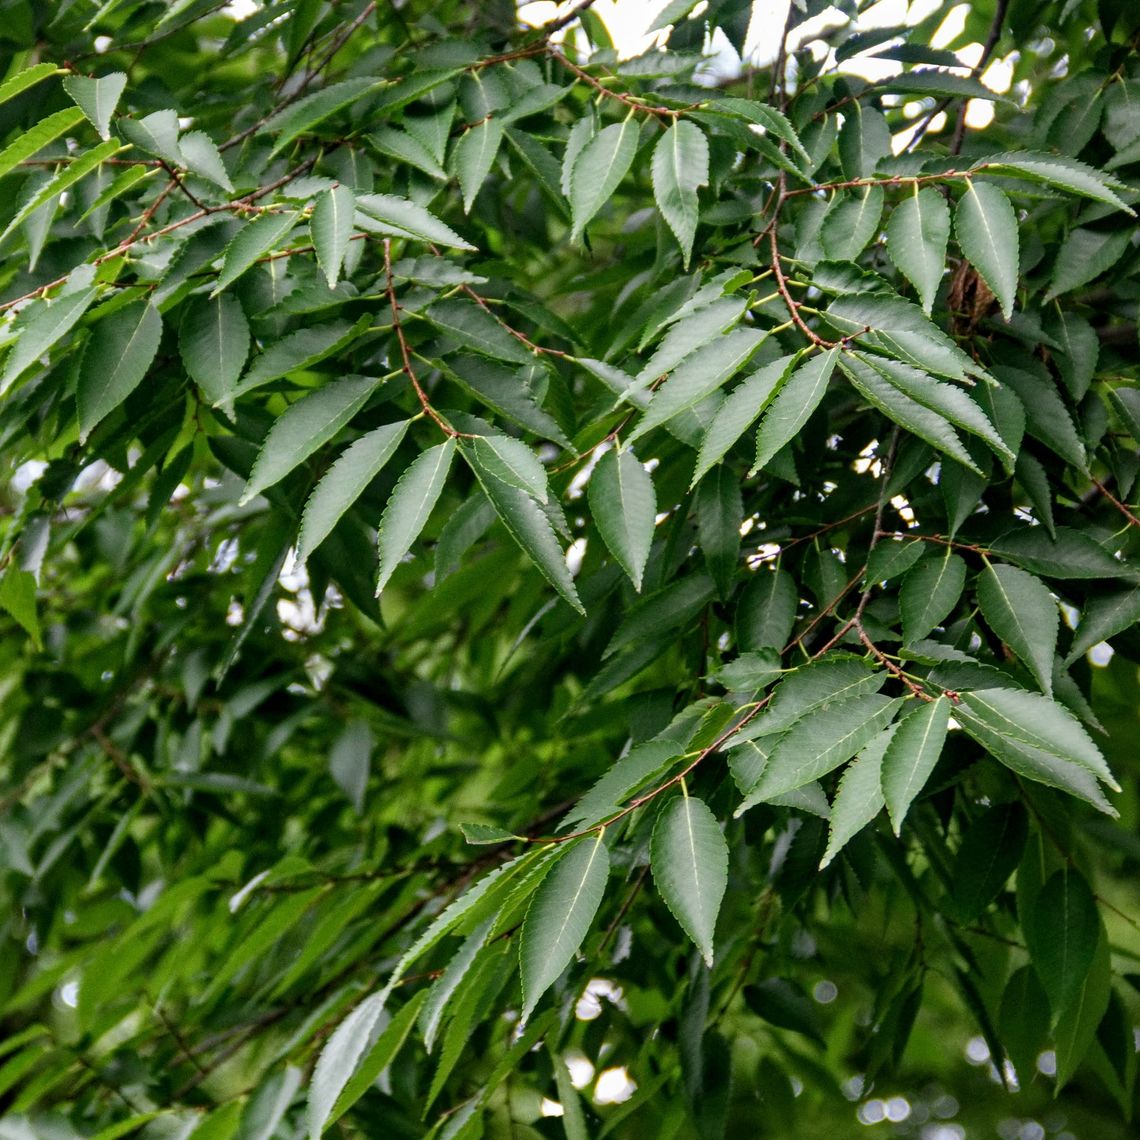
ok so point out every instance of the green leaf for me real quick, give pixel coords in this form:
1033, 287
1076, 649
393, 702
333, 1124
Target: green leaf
766, 611
1062, 935
115, 360
929, 593
305, 426
156, 133
1020, 610
1125, 402
688, 333
1077, 1032
773, 121
810, 687
1079, 350
1046, 416
45, 131
784, 1004
267, 1107
253, 241
339, 1059
680, 167
818, 744
911, 756
474, 156
18, 599
893, 557
1038, 739
41, 326
917, 233
624, 507
944, 84
1104, 616
407, 148
864, 140
793, 405
559, 917
656, 614
598, 168
859, 797
1023, 1023
1071, 554
412, 500
483, 833
986, 228
1084, 255
214, 343
739, 411
71, 173
990, 851
509, 461
331, 227
720, 514
529, 525
851, 222
689, 858
580, 134
431, 1016
626, 777
750, 671
302, 116
477, 330
945, 399
202, 157
29, 77
1055, 170
397, 217
699, 374
96, 98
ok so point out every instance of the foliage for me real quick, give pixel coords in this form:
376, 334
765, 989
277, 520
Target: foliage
515, 554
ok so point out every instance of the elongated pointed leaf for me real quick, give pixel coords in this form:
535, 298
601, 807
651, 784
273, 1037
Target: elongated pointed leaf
115, 360
689, 858
339, 1059
559, 917
911, 756
929, 592
738, 413
990, 852
29, 77
331, 227
624, 507
819, 743
916, 418
305, 426
1038, 739
531, 528
1062, 935
1084, 255
680, 167
214, 342
411, 503
253, 241
477, 330
698, 375
986, 228
864, 140
41, 326
1020, 610
859, 797
398, 217
305, 114
793, 405
97, 98
720, 514
851, 223
71, 173
773, 121
512, 462
916, 241
598, 169
45, 131
431, 1015
1055, 170
1104, 616
299, 350
474, 156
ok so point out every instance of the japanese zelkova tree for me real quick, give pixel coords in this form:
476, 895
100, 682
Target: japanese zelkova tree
555, 583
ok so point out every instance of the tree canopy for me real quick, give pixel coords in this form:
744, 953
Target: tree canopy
553, 591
